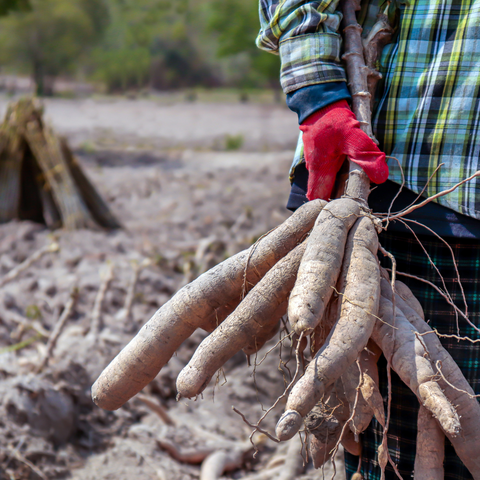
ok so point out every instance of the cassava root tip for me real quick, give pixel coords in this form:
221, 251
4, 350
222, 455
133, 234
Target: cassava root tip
288, 425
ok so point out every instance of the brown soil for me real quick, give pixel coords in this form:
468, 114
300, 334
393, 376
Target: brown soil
185, 210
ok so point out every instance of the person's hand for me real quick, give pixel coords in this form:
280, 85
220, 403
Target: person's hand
331, 134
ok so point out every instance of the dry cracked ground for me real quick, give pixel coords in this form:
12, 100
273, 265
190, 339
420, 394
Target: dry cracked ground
191, 183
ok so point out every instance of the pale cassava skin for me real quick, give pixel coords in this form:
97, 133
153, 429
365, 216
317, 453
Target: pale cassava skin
193, 306
350, 334
322, 330
430, 448
255, 343
409, 357
219, 315
259, 311
467, 445
410, 298
321, 264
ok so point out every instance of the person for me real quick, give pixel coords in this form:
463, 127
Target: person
427, 120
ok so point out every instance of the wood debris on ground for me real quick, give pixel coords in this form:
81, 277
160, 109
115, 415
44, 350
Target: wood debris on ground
40, 178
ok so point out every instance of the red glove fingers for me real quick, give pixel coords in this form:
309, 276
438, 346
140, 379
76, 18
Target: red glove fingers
331, 134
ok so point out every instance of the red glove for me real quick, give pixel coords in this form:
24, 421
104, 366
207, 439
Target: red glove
331, 134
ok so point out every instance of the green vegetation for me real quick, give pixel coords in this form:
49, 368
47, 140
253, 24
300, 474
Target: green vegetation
7, 6
234, 142
33, 312
50, 38
135, 44
236, 25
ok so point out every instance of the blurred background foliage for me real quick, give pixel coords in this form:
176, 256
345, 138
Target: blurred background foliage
136, 44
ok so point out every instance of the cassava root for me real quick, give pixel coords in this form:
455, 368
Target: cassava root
259, 311
349, 336
321, 264
408, 355
430, 448
456, 388
141, 360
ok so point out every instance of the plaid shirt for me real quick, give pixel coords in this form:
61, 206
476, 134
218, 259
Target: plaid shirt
428, 111
304, 34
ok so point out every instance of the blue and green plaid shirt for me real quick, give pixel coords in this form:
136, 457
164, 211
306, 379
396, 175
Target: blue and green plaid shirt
429, 108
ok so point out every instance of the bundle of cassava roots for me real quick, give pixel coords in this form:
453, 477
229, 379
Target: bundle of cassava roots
321, 267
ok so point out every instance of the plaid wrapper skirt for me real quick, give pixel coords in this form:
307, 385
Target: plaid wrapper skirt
412, 259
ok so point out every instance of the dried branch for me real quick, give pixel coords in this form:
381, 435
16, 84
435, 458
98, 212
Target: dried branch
256, 426
454, 260
125, 313
106, 276
352, 414
23, 322
52, 341
398, 193
438, 364
403, 184
456, 337
433, 197
358, 184
12, 274
443, 294
270, 350
18, 456
379, 36
432, 263
356, 68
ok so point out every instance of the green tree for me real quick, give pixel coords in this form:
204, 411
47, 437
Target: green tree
236, 25
51, 37
125, 44
123, 59
7, 6
152, 42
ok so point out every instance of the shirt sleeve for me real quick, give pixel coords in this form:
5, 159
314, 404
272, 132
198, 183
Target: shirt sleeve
307, 100
305, 35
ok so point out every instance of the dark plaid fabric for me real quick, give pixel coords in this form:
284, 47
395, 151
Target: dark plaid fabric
411, 259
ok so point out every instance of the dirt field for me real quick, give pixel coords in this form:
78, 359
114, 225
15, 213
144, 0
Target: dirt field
167, 123
186, 203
